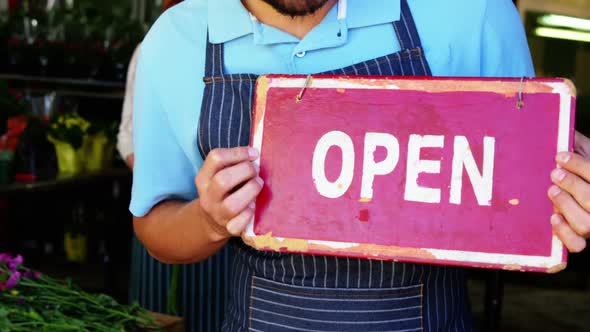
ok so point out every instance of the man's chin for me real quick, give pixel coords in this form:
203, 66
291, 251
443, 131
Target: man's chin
296, 8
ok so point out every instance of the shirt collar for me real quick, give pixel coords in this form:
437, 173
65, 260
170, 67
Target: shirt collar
228, 19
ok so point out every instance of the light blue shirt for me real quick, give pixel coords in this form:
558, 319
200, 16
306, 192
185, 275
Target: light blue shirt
460, 38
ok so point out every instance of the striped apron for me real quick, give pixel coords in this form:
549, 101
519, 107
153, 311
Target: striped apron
295, 292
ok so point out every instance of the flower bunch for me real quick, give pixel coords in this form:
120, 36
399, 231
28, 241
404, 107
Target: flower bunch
108, 129
10, 278
70, 128
32, 301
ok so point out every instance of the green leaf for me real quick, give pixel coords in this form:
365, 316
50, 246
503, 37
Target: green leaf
34, 315
4, 320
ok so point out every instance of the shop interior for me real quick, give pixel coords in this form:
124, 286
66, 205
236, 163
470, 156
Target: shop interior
65, 190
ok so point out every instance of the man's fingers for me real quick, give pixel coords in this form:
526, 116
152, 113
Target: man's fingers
219, 159
566, 234
575, 164
237, 225
239, 200
229, 178
577, 218
574, 185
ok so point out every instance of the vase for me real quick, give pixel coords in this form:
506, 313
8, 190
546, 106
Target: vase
69, 160
75, 246
99, 152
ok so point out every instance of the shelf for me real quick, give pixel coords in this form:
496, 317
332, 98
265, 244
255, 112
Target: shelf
64, 81
62, 182
81, 93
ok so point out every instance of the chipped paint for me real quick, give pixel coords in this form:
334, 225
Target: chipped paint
566, 87
371, 251
393, 251
512, 267
341, 90
557, 268
364, 215
364, 200
267, 241
333, 245
508, 89
514, 202
262, 87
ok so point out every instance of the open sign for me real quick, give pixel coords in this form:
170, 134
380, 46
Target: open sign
435, 170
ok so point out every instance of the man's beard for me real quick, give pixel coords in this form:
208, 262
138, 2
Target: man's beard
296, 8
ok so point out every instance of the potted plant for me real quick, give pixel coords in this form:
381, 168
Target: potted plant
11, 128
11, 104
100, 145
67, 132
76, 236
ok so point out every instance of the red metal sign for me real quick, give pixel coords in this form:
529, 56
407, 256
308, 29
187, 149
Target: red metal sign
436, 170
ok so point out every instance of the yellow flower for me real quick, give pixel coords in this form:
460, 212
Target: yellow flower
14, 292
71, 122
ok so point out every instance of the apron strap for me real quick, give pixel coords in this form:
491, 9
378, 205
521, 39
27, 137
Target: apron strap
405, 28
213, 59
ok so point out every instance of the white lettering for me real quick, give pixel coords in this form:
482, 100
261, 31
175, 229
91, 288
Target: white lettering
415, 166
340, 186
482, 182
372, 168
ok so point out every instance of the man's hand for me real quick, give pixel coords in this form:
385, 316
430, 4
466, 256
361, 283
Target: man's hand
228, 184
571, 195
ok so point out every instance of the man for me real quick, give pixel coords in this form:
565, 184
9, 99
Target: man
192, 122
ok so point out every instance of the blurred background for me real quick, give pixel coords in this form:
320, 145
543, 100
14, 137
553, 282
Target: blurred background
64, 191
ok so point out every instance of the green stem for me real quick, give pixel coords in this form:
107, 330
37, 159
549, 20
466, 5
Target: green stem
41, 324
81, 295
173, 290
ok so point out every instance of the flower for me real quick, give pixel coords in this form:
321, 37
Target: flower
14, 263
69, 128
12, 280
49, 304
4, 258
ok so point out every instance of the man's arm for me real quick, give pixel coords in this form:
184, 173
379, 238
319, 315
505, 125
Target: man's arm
186, 232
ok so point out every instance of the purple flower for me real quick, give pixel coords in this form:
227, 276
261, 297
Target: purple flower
13, 280
14, 263
5, 258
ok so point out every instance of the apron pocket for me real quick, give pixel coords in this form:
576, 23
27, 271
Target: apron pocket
280, 307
